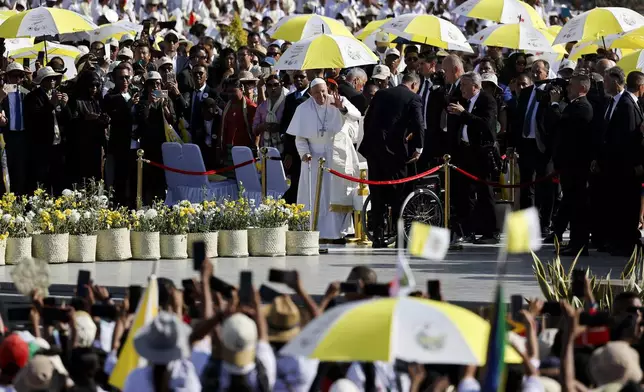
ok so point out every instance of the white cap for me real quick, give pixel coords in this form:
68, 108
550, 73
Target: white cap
381, 72
152, 75
15, 66
490, 77
85, 329
392, 51
163, 61
126, 37
239, 338
127, 52
343, 385
567, 64
83, 49
316, 81
110, 15
382, 37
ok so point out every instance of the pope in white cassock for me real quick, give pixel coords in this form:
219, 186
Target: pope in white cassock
324, 127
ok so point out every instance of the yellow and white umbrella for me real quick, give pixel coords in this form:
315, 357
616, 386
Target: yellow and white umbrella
326, 51
105, 32
42, 21
599, 22
4, 15
297, 27
633, 39
370, 28
67, 53
632, 62
429, 30
520, 36
407, 328
502, 11
591, 47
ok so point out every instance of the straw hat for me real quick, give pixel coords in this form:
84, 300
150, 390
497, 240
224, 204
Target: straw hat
247, 76
39, 375
164, 340
283, 319
44, 73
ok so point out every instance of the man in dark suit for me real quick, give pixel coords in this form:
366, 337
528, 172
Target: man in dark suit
194, 114
620, 163
351, 88
572, 158
12, 126
393, 138
120, 169
533, 139
46, 114
474, 142
292, 160
197, 56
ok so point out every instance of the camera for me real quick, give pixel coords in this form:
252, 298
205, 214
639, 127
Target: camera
438, 78
559, 85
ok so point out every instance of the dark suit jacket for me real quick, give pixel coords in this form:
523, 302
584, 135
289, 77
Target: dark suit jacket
480, 122
543, 131
354, 96
184, 80
121, 121
4, 106
622, 139
290, 104
574, 134
39, 116
197, 128
393, 126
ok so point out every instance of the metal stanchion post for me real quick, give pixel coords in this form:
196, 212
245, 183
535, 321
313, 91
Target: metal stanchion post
363, 191
264, 152
511, 162
139, 179
318, 194
446, 207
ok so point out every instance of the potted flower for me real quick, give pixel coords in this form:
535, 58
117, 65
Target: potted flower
174, 230
145, 234
300, 240
113, 239
83, 226
202, 227
233, 224
19, 240
267, 234
51, 239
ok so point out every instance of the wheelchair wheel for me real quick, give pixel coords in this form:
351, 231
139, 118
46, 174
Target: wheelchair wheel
367, 224
422, 205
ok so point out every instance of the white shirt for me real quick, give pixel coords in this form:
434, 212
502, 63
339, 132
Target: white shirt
295, 374
183, 378
385, 377
134, 143
265, 355
616, 99
635, 99
14, 101
469, 110
533, 119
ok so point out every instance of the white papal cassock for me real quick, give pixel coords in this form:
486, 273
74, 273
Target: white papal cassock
323, 131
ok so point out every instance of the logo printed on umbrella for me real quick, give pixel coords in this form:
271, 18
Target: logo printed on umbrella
428, 342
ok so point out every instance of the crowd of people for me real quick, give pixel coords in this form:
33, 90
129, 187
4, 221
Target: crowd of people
206, 338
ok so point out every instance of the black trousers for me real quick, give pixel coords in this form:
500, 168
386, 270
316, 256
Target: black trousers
291, 193
534, 164
125, 178
625, 200
47, 169
17, 150
574, 207
381, 169
473, 201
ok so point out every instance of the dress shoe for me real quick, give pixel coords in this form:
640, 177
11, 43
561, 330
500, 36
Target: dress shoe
487, 240
466, 239
573, 251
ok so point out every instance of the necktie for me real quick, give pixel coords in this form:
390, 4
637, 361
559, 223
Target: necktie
425, 94
18, 112
610, 109
196, 110
527, 123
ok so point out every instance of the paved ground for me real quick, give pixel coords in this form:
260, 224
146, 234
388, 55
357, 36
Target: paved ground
466, 276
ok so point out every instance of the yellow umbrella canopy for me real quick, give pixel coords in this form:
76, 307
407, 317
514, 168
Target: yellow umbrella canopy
371, 27
633, 39
599, 22
632, 62
43, 21
429, 30
297, 27
502, 11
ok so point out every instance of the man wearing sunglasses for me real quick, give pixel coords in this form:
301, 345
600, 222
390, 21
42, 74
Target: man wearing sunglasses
197, 56
170, 46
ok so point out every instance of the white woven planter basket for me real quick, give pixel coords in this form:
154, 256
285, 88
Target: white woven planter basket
3, 251
210, 239
232, 243
18, 249
82, 248
302, 243
113, 245
267, 241
174, 246
53, 248
145, 245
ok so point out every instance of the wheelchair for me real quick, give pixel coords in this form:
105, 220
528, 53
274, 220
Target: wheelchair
422, 205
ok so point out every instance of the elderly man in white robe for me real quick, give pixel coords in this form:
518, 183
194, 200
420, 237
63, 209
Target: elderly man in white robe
321, 127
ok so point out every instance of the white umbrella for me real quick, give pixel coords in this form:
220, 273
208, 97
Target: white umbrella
428, 29
326, 51
599, 22
520, 36
43, 21
104, 32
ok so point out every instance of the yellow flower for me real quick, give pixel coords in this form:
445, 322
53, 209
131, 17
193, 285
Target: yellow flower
68, 212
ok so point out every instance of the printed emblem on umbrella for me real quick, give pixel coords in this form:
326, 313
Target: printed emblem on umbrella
428, 342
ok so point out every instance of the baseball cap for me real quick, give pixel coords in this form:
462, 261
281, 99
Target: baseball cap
165, 60
268, 62
153, 75
568, 64
85, 329
491, 78
392, 51
381, 72
15, 66
382, 37
239, 340
126, 37
127, 52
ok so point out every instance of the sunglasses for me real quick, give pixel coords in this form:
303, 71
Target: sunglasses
272, 85
199, 73
299, 76
411, 59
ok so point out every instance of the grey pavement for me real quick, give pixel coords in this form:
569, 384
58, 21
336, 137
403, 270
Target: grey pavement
468, 275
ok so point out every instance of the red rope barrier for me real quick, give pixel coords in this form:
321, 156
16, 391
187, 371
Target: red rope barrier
194, 173
389, 182
499, 185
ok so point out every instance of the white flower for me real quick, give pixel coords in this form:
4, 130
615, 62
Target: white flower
30, 215
87, 215
176, 207
49, 203
6, 218
103, 200
20, 220
1, 211
251, 202
74, 217
140, 213
151, 213
67, 192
